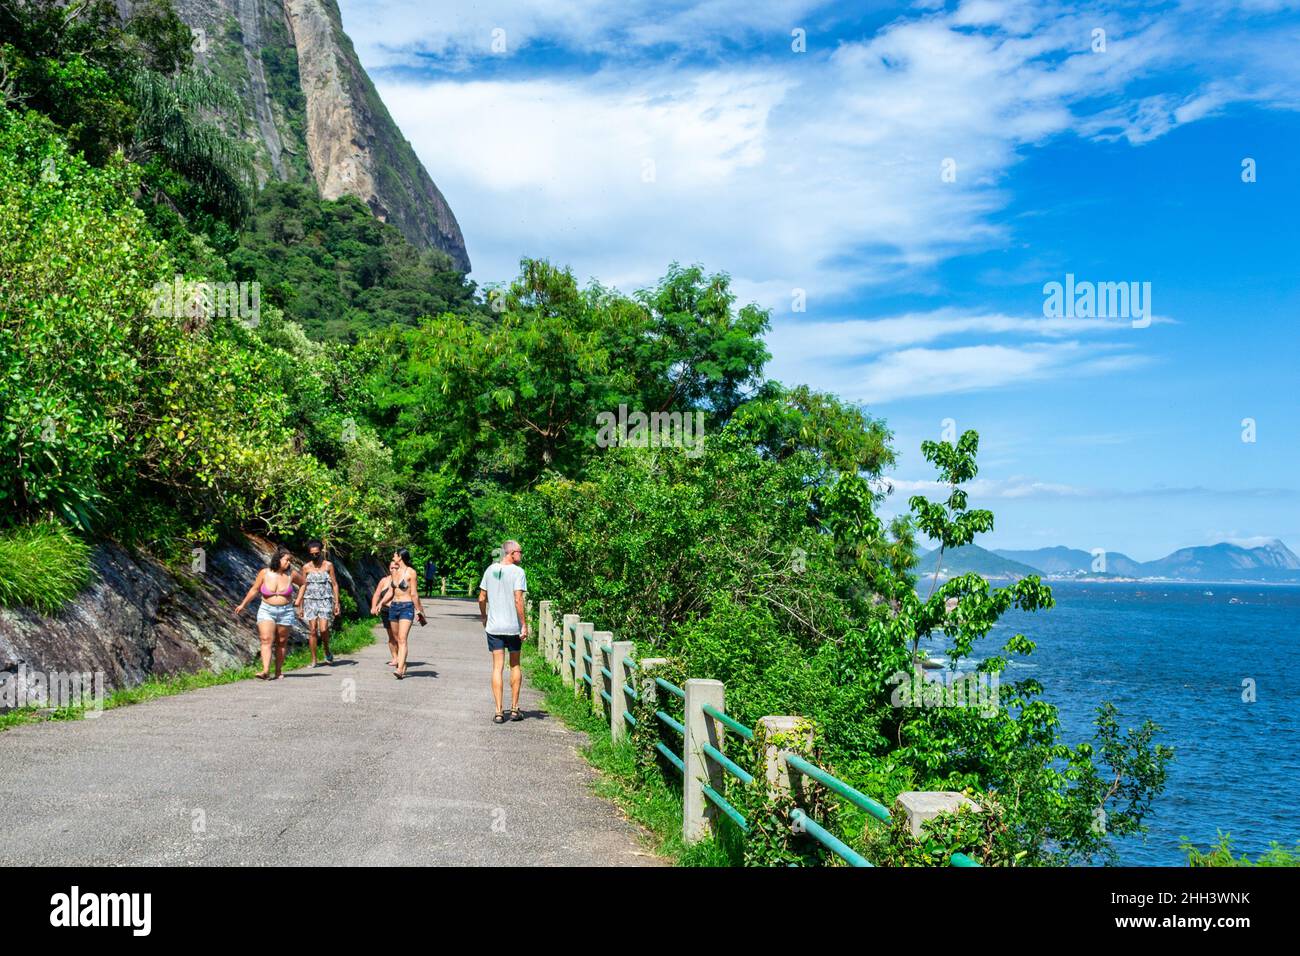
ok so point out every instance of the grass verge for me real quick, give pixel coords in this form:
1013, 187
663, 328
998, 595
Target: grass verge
651, 803
351, 638
42, 566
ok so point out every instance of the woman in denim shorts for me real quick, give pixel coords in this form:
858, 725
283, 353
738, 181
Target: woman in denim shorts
403, 603
379, 605
275, 615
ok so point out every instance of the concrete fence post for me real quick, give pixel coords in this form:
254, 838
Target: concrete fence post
444, 587
601, 641
568, 632
697, 810
543, 635
549, 644
774, 735
920, 806
621, 651
645, 680
585, 630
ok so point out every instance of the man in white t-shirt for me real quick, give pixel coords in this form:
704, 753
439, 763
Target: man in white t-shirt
501, 606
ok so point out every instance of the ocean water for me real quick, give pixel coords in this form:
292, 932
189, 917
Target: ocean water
1181, 656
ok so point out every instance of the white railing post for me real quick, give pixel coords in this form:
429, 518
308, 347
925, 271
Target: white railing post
585, 630
601, 641
553, 641
622, 650
645, 684
542, 637
774, 734
568, 633
922, 806
697, 811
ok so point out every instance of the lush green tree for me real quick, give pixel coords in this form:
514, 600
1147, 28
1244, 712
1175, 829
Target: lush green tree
695, 350
764, 565
337, 271
130, 84
170, 134
111, 394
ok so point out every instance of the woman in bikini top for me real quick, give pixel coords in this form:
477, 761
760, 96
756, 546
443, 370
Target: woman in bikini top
275, 583
379, 605
269, 593
404, 605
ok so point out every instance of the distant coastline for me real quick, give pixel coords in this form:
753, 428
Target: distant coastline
1115, 579
1271, 563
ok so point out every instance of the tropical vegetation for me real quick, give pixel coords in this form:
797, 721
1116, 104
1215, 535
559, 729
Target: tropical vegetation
373, 397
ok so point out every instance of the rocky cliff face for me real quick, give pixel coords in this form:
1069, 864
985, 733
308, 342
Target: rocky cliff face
138, 619
312, 114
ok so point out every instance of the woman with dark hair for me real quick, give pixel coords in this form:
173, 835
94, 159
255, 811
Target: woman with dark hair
403, 605
379, 602
318, 602
275, 616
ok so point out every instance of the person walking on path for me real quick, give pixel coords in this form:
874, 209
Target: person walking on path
404, 605
379, 605
430, 575
275, 616
318, 602
501, 608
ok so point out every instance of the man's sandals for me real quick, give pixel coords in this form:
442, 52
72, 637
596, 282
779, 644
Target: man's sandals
500, 718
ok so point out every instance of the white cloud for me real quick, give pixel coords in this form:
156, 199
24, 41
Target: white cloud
1253, 541
459, 33
818, 171
854, 337
883, 360
1021, 487
986, 488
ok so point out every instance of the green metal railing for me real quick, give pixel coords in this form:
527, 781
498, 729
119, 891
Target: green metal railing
727, 764
671, 688
675, 725
675, 760
720, 802
800, 821
808, 825
731, 722
797, 763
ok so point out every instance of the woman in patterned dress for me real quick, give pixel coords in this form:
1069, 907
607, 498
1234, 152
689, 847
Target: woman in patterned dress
318, 602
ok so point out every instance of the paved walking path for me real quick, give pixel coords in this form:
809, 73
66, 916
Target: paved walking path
288, 772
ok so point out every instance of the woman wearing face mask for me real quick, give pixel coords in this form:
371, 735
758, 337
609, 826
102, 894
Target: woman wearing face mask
275, 583
318, 602
379, 602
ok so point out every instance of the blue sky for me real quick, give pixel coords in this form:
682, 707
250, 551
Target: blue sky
616, 138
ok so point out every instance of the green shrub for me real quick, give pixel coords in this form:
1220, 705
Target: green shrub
42, 566
1220, 854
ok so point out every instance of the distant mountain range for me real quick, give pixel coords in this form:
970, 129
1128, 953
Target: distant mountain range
1272, 563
